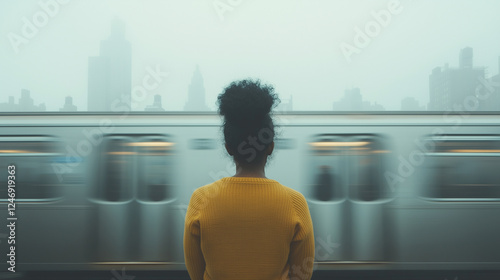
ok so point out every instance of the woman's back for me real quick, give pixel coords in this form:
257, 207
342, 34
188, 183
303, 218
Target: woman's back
248, 228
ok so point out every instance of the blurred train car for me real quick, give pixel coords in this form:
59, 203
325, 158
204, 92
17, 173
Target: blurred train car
385, 191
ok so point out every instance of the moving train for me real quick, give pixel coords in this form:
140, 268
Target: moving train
97, 192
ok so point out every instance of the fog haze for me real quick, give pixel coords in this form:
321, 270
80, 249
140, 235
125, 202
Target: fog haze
294, 45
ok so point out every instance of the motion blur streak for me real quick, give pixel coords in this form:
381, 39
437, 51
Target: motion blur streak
388, 192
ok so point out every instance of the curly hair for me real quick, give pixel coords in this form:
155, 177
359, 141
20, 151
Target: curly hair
248, 126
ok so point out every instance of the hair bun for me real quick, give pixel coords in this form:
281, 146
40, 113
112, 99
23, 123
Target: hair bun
246, 107
247, 102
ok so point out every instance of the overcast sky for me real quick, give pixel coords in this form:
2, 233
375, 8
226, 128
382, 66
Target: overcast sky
294, 45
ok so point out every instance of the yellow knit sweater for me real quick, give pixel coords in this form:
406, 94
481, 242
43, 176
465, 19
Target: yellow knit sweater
248, 228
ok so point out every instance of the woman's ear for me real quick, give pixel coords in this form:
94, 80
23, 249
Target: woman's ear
228, 150
270, 148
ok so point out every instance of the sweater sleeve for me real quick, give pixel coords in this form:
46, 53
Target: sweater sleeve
301, 258
193, 256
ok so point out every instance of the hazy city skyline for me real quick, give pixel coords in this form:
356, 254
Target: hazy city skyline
298, 47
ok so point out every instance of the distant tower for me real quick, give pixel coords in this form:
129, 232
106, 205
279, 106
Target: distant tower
25, 102
196, 93
110, 73
451, 87
493, 102
156, 105
68, 105
8, 106
353, 101
466, 58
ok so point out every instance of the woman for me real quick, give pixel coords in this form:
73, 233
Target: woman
248, 226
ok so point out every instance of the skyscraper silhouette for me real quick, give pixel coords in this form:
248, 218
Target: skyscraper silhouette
451, 87
466, 58
68, 105
196, 93
156, 107
353, 101
110, 73
26, 104
492, 90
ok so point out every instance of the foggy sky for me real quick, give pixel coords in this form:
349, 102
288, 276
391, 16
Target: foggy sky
292, 44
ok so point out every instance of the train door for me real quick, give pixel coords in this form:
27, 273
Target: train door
348, 198
155, 195
114, 199
327, 196
134, 199
368, 198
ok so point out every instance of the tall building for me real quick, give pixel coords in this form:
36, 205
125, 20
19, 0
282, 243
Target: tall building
492, 103
25, 102
9, 106
353, 101
156, 107
68, 105
196, 93
110, 73
466, 58
451, 87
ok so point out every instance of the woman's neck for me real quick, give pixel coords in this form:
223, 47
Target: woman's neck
250, 171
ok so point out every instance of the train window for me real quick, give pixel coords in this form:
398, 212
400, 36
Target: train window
136, 166
155, 169
326, 168
366, 156
32, 156
464, 167
202, 144
359, 160
117, 169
